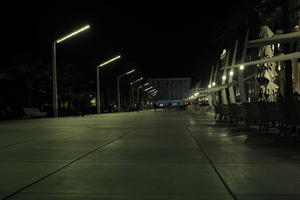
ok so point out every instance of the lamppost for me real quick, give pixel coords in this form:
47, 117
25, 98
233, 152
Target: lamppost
98, 81
54, 72
138, 90
152, 93
132, 89
118, 85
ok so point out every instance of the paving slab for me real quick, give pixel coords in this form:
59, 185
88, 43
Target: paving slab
146, 155
272, 179
133, 179
15, 176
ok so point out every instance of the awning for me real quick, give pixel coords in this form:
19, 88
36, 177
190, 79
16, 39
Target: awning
278, 58
282, 38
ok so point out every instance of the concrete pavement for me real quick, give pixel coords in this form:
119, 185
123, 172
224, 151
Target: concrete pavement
143, 155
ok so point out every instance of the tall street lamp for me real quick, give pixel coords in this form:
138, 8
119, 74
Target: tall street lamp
118, 85
132, 90
138, 90
98, 80
54, 72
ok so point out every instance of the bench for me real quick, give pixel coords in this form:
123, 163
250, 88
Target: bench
34, 112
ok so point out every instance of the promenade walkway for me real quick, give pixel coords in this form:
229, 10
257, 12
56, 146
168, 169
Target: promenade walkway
143, 155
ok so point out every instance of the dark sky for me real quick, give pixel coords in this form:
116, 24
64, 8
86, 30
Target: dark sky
162, 39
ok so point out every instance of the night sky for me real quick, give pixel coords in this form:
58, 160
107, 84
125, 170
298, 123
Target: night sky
160, 39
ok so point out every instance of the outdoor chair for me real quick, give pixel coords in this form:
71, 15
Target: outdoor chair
270, 114
233, 112
237, 112
217, 111
288, 115
252, 114
224, 113
296, 107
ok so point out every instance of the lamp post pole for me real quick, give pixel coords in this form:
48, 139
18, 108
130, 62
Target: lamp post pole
138, 96
54, 80
118, 86
98, 81
98, 91
132, 89
132, 97
54, 68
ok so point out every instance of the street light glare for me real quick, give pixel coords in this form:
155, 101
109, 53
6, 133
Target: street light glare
242, 67
109, 61
72, 34
127, 73
148, 88
136, 81
224, 77
231, 73
153, 90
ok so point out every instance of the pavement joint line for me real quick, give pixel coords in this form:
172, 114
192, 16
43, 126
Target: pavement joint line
68, 164
212, 164
26, 141
127, 194
9, 145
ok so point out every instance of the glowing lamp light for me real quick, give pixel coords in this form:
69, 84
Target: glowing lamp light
223, 77
242, 67
231, 73
196, 94
214, 84
209, 86
72, 34
136, 81
131, 71
109, 61
148, 88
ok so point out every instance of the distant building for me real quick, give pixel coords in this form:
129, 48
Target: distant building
171, 90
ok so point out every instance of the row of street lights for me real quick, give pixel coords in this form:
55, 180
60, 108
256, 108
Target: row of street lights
54, 73
118, 85
231, 73
152, 92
